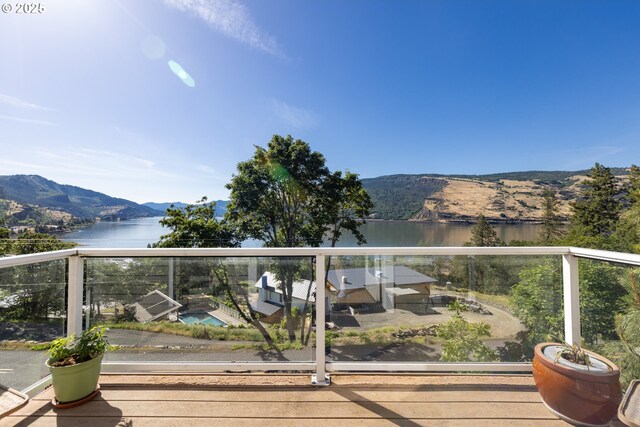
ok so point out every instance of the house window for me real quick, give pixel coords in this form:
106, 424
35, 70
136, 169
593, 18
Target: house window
274, 296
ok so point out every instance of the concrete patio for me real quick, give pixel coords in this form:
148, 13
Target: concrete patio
289, 400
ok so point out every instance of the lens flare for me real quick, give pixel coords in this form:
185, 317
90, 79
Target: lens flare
182, 74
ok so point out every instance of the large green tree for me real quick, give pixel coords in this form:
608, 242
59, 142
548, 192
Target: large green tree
597, 213
482, 234
196, 226
551, 227
596, 221
286, 196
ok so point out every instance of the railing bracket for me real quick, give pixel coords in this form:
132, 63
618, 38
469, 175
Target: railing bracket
326, 382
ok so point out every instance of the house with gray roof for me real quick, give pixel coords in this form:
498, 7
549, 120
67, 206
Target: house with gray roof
270, 301
392, 286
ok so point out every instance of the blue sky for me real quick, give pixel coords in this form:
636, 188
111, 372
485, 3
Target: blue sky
87, 96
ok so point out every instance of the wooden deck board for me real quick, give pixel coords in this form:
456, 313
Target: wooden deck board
305, 395
489, 401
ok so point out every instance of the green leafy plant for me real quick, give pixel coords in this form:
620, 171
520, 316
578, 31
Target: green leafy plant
457, 307
72, 350
463, 341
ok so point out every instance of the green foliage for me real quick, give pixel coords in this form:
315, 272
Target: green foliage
400, 196
482, 234
72, 350
601, 299
285, 196
30, 242
551, 226
598, 212
463, 341
346, 204
5, 241
626, 352
196, 226
537, 300
198, 331
457, 307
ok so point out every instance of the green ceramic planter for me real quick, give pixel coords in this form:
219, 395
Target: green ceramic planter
71, 383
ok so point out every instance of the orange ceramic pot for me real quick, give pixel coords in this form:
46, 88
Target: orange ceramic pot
575, 394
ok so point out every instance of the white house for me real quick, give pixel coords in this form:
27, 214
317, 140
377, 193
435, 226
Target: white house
270, 298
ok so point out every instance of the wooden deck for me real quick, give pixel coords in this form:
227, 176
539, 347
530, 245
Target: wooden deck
288, 400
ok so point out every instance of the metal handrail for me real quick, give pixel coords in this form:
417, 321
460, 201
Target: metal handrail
569, 255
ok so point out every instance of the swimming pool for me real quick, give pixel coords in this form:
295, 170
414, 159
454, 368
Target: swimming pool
202, 317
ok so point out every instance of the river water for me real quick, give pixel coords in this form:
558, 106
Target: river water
138, 233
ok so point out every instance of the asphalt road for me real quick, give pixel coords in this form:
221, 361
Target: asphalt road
21, 368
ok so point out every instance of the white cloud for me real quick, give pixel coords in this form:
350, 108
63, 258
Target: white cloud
23, 120
295, 116
231, 18
20, 103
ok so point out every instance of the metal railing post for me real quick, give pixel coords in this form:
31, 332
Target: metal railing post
320, 377
74, 300
571, 295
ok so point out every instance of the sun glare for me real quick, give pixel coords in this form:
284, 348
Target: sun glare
181, 73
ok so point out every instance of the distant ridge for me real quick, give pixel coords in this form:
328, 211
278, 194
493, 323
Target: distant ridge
546, 176
79, 202
500, 197
221, 206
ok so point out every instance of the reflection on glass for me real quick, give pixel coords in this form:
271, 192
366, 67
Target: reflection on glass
448, 309
220, 309
32, 313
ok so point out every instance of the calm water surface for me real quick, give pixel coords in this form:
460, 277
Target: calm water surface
138, 233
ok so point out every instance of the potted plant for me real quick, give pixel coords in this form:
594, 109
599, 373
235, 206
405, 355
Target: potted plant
74, 363
577, 385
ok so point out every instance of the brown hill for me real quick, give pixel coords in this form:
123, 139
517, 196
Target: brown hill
507, 197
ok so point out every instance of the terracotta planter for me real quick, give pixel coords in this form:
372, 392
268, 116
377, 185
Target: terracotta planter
575, 394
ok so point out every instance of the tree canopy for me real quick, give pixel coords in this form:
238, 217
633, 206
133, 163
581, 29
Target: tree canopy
30, 242
196, 226
598, 212
285, 196
482, 234
551, 227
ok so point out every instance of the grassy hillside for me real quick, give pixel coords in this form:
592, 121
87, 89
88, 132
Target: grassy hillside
512, 196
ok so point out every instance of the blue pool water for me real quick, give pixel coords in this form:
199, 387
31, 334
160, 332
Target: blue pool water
201, 317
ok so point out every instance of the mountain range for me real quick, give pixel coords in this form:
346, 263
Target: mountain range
34, 193
504, 197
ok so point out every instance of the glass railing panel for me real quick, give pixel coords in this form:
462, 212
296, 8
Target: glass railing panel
441, 308
32, 314
610, 313
231, 309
